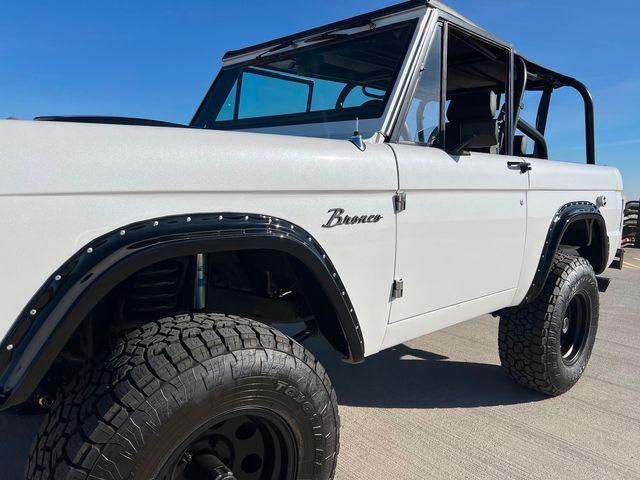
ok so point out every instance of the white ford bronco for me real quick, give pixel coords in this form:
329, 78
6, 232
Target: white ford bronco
372, 180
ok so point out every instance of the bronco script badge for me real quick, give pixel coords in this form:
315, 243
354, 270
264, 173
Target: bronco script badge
339, 218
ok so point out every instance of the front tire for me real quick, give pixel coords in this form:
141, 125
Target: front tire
188, 397
546, 344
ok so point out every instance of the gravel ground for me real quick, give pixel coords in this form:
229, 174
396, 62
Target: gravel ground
440, 407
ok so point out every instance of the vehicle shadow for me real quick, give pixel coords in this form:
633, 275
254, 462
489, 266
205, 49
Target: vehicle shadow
405, 377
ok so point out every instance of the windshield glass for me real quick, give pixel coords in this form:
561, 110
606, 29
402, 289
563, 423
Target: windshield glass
340, 79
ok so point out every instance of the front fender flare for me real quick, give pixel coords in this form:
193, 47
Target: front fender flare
53, 314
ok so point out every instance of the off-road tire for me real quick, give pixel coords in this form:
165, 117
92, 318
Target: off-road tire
529, 338
119, 418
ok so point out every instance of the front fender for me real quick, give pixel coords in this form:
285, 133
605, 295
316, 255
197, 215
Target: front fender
47, 322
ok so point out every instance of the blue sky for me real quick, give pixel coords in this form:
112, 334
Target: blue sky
156, 59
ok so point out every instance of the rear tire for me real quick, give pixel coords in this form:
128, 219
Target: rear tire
187, 395
546, 344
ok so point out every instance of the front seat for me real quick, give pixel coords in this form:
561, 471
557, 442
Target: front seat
473, 114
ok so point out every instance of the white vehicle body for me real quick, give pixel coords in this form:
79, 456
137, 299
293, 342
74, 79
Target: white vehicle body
468, 243
121, 175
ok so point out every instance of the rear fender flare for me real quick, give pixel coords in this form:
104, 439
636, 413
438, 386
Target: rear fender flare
562, 220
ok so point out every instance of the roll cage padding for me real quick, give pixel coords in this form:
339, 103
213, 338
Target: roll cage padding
568, 215
58, 308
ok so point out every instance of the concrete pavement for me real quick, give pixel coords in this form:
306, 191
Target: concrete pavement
440, 407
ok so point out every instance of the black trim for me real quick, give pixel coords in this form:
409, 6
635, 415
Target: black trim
510, 128
444, 79
51, 317
568, 214
110, 120
357, 21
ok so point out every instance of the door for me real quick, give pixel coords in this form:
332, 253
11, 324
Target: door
461, 237
462, 234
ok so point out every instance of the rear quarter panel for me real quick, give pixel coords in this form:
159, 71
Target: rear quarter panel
554, 184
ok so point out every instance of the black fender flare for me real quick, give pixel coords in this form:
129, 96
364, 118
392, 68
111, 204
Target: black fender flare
567, 215
57, 309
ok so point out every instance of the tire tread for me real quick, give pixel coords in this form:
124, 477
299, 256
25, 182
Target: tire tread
524, 332
105, 394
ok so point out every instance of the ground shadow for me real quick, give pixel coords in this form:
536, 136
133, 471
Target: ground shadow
404, 377
401, 377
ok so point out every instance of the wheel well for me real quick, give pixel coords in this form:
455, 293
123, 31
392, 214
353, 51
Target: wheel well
587, 238
269, 286
284, 274
577, 228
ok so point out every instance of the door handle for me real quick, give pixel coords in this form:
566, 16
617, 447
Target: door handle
523, 166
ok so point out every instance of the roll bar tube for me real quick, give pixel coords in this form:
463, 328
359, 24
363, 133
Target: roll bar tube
557, 80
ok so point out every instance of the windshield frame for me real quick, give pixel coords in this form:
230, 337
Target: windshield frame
203, 115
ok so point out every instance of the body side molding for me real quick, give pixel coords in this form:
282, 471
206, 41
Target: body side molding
53, 314
566, 216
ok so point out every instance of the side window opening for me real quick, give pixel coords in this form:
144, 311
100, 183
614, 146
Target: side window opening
471, 114
477, 79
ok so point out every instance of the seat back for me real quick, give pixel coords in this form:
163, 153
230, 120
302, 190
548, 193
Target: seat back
473, 114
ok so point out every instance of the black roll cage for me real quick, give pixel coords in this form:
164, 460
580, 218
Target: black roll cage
550, 81
547, 81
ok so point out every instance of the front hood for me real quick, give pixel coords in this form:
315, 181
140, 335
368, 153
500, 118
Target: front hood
62, 158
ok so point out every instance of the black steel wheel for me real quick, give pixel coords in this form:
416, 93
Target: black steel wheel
194, 397
575, 328
245, 445
546, 344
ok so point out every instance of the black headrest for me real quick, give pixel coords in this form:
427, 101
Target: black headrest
473, 106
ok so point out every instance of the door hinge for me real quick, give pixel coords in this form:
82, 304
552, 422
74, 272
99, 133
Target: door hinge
400, 202
397, 289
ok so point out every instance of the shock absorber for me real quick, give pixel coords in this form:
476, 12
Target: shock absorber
200, 284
